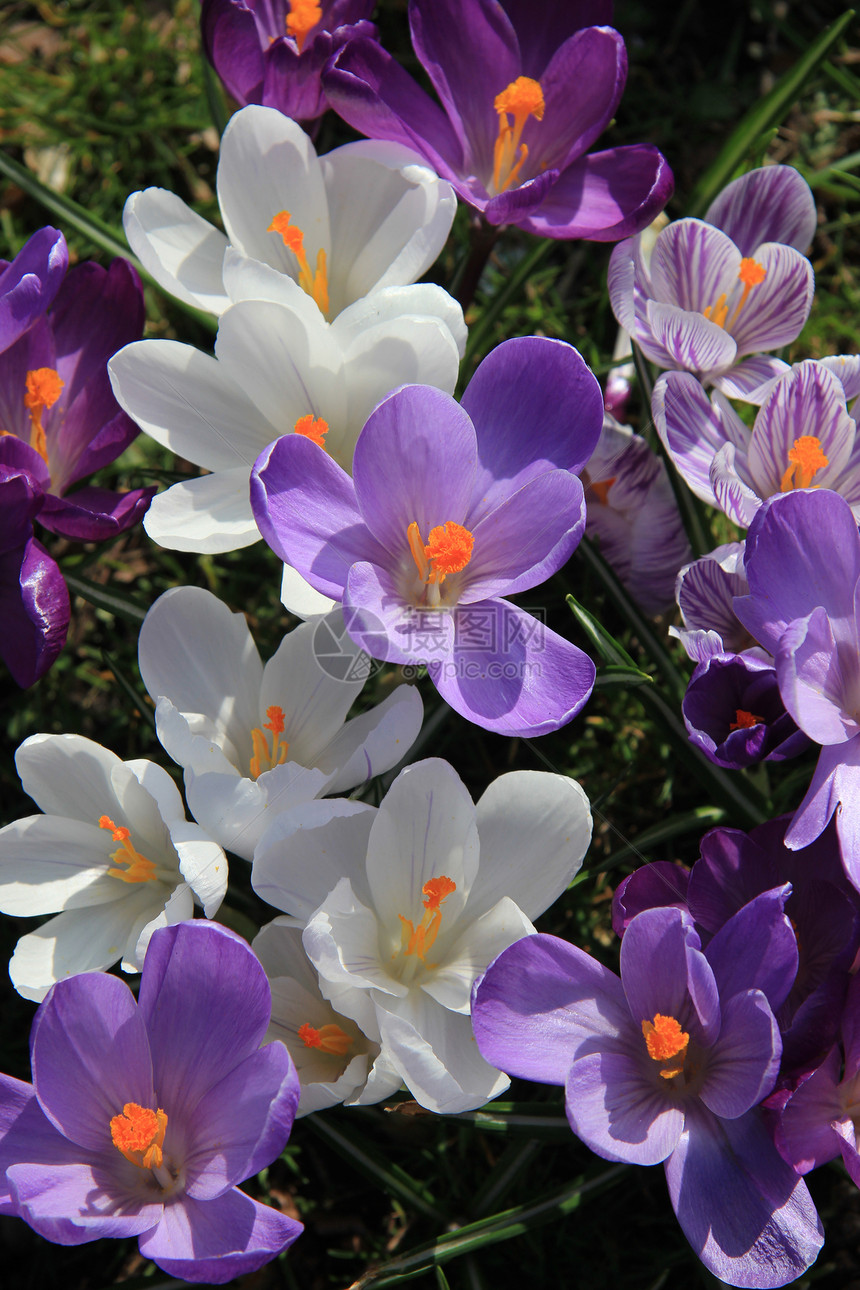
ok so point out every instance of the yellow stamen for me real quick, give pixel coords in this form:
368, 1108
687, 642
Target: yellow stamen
314, 283
666, 1043
328, 1039
139, 868
138, 1133
806, 460
262, 759
418, 940
313, 428
745, 720
520, 100
43, 387
303, 16
750, 274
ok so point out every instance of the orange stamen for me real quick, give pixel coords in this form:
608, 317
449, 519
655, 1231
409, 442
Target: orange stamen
139, 868
418, 940
138, 1133
601, 490
806, 459
745, 720
301, 19
314, 283
313, 428
43, 387
521, 99
665, 1041
329, 1039
750, 274
262, 759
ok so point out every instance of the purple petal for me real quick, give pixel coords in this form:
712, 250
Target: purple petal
514, 205
692, 264
777, 308
242, 1123
71, 1204
216, 1240
705, 593
692, 429
535, 405
34, 608
206, 1004
818, 679
722, 690
541, 1004
835, 783
745, 1212
804, 1135
90, 1055
743, 1064
582, 87
305, 508
618, 1112
605, 196
26, 1134
528, 681
97, 312
752, 379
229, 33
771, 204
30, 283
756, 949
690, 339
809, 401
663, 971
388, 627
93, 514
559, 20
733, 491
654, 885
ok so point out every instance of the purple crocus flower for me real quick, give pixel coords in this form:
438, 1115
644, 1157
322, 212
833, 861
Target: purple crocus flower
524, 94
734, 712
803, 437
30, 283
450, 508
142, 1116
705, 592
668, 1065
34, 600
273, 51
711, 299
803, 567
60, 419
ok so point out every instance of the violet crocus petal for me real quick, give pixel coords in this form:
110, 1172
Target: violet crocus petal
847, 368
770, 204
654, 885
206, 1004
692, 264
752, 379
618, 1112
803, 1134
605, 196
26, 1134
247, 1116
229, 35
97, 311
743, 1064
90, 1055
745, 1212
559, 20
851, 1025
692, 429
34, 609
756, 949
535, 405
664, 971
835, 783
73, 1203
387, 627
790, 563
582, 85
29, 284
721, 690
810, 400
690, 339
414, 462
214, 1241
530, 682
818, 679
732, 492
778, 307
305, 508
470, 53
372, 93
542, 1003
705, 592
515, 205
93, 514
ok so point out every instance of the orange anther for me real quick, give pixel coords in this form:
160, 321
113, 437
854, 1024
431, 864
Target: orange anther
806, 460
601, 489
313, 428
436, 890
751, 273
521, 99
745, 720
315, 283
417, 940
303, 16
139, 868
449, 549
43, 387
329, 1039
664, 1038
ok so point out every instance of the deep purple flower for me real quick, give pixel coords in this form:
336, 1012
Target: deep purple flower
143, 1116
711, 299
668, 1064
803, 567
273, 51
59, 415
450, 508
29, 284
524, 94
34, 600
734, 712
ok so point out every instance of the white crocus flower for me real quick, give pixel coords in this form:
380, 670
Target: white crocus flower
365, 217
256, 740
113, 851
335, 1061
404, 906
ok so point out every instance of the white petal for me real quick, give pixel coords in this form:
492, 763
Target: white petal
248, 279
342, 941
479, 943
68, 775
161, 789
304, 854
189, 403
182, 251
237, 812
49, 863
421, 300
196, 743
203, 865
209, 515
372, 743
179, 908
300, 598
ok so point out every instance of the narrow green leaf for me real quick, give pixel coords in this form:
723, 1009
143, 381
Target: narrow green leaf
479, 333
621, 676
104, 598
607, 646
135, 701
762, 115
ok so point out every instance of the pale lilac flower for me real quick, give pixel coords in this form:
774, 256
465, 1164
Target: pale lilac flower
143, 1115
705, 592
668, 1065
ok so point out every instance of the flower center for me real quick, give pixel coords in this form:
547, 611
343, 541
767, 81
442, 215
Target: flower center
314, 283
328, 1039
139, 868
806, 458
43, 388
666, 1043
313, 428
448, 551
518, 101
262, 759
601, 490
138, 1133
750, 274
303, 16
745, 720
416, 941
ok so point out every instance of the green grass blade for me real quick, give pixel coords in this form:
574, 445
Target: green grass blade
103, 598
